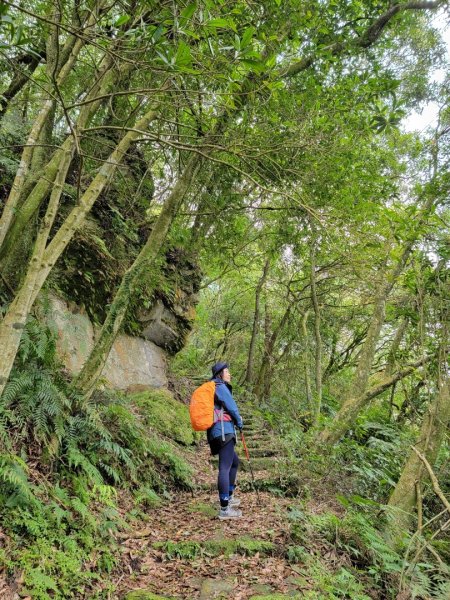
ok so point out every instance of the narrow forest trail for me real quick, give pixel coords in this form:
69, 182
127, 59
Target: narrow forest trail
185, 551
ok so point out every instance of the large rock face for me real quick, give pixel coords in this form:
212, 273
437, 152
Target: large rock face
171, 317
133, 364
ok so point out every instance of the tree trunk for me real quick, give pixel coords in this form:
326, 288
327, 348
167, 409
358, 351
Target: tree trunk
353, 409
403, 499
269, 347
87, 378
248, 380
307, 363
317, 336
59, 74
16, 216
19, 80
352, 405
13, 323
44, 258
391, 359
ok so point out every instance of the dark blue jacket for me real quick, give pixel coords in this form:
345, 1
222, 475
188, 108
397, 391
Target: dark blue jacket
223, 397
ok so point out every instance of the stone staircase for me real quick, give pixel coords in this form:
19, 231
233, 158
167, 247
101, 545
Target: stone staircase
232, 558
263, 446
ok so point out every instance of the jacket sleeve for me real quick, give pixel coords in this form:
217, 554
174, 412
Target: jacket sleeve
224, 395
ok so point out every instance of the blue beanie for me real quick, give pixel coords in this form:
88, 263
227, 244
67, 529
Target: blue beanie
218, 368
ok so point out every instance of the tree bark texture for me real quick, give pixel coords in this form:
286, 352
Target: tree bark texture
317, 398
249, 373
87, 378
403, 499
45, 257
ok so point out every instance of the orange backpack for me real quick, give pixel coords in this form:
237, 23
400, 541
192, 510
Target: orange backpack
201, 407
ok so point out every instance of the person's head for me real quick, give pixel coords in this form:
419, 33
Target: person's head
221, 370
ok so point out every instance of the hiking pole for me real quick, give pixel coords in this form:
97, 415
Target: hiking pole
250, 465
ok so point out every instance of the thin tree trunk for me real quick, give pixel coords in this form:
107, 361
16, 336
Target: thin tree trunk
403, 499
44, 183
248, 380
87, 378
392, 356
44, 258
59, 74
353, 409
317, 336
12, 325
19, 81
306, 363
269, 346
352, 405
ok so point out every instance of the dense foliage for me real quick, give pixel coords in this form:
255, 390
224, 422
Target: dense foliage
250, 159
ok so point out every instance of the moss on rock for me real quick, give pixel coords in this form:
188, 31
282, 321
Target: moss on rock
203, 508
168, 416
190, 549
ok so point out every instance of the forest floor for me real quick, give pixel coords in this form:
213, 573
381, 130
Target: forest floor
184, 551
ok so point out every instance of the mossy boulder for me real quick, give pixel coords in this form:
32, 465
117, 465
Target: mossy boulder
163, 413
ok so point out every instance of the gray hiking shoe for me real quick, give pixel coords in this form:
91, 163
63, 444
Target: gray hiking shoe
229, 513
234, 502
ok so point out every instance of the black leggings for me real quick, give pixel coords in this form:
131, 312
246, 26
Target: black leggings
228, 466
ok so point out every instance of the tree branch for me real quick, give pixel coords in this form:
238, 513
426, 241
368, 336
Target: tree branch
434, 481
369, 37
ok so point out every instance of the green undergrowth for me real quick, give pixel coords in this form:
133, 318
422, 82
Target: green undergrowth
189, 550
371, 564
275, 597
65, 467
168, 416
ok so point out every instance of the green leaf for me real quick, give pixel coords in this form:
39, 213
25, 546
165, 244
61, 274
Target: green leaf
158, 33
183, 55
122, 20
187, 13
221, 23
254, 65
247, 36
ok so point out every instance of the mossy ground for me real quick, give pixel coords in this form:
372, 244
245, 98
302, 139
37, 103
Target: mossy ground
163, 413
287, 544
144, 595
226, 547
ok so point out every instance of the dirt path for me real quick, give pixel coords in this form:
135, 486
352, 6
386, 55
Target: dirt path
186, 552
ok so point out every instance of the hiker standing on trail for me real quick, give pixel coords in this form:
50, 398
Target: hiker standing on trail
222, 439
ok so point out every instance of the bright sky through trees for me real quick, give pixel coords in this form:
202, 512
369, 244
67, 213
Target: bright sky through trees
421, 120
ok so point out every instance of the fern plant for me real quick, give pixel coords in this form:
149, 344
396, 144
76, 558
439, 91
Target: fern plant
34, 404
14, 486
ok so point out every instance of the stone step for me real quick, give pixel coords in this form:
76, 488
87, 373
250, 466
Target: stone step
257, 435
261, 439
259, 452
264, 482
190, 549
